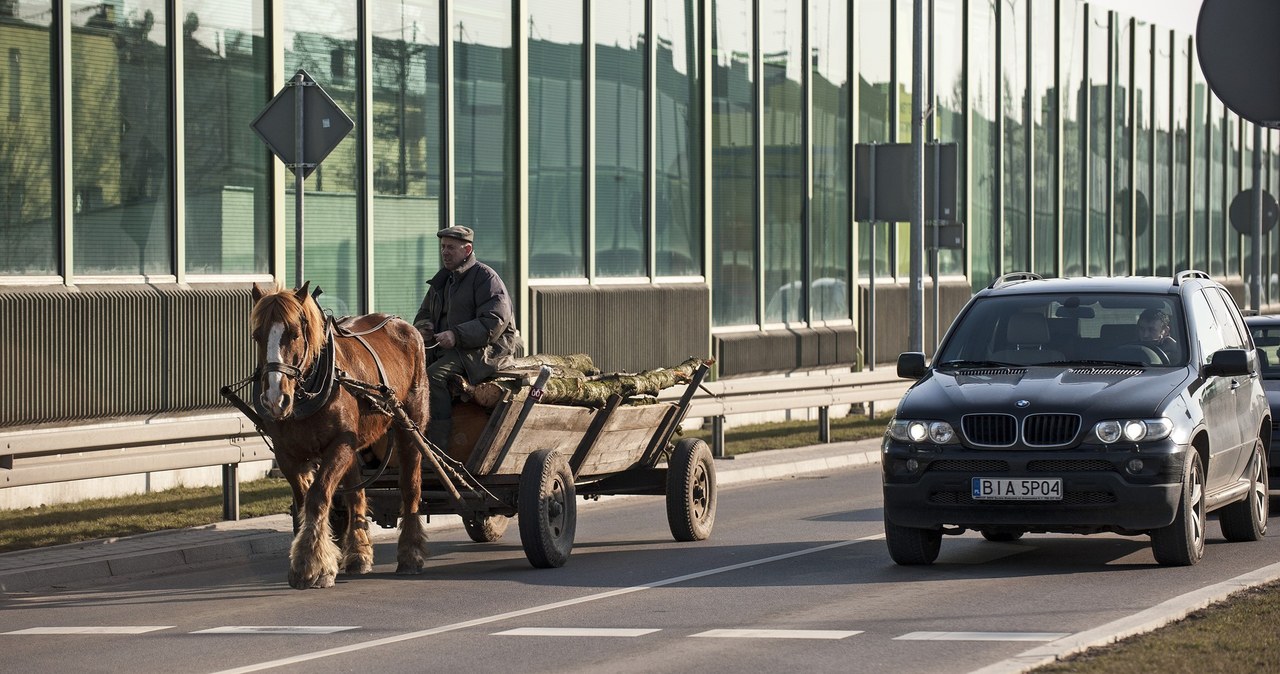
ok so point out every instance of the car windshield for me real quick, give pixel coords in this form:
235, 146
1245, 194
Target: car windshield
1057, 329
1267, 339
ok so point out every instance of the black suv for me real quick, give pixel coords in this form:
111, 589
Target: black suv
1082, 405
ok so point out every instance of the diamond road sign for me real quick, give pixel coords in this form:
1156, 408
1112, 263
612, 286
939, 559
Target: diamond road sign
324, 124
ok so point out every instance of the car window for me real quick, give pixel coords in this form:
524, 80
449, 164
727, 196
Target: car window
1207, 331
1054, 328
1266, 340
1232, 331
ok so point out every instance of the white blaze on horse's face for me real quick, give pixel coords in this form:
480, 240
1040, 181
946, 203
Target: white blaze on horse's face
273, 396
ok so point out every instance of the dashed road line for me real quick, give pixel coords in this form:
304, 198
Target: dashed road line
278, 629
93, 629
577, 632
982, 636
777, 634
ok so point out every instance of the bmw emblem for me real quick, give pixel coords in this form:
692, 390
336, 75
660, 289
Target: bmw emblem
1022, 404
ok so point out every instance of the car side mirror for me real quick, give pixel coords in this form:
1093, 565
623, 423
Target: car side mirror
1228, 363
911, 365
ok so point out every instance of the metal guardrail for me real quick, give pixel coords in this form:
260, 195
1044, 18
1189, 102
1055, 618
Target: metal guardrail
722, 398
130, 447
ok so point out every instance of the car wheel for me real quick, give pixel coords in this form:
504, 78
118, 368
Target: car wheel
1002, 536
1182, 542
912, 547
1246, 520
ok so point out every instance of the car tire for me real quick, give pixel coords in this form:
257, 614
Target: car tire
1246, 520
1002, 536
909, 546
1182, 542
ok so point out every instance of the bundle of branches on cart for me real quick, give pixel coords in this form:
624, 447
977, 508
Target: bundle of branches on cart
575, 380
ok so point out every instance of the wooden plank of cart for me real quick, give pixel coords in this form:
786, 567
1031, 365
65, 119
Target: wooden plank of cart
533, 460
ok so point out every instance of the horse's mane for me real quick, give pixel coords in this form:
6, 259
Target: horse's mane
283, 306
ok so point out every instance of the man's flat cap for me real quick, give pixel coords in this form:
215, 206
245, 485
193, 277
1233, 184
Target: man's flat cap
458, 232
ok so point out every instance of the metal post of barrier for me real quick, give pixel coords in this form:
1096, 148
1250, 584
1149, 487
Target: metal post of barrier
231, 492
717, 437
824, 424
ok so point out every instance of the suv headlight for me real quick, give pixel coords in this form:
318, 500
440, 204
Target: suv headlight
921, 431
1132, 430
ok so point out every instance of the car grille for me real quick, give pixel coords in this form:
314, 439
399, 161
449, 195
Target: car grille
990, 430
1071, 498
1038, 430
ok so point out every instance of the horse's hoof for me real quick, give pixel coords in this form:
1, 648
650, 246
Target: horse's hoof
403, 569
299, 582
359, 568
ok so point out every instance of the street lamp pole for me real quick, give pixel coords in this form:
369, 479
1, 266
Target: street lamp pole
916, 292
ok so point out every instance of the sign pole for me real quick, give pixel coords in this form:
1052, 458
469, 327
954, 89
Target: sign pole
299, 173
1256, 286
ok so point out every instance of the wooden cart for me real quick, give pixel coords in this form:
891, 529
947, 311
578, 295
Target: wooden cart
533, 460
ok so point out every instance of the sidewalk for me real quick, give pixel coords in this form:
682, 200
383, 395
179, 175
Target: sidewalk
40, 568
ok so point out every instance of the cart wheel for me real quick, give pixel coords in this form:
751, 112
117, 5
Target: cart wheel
484, 528
547, 512
691, 491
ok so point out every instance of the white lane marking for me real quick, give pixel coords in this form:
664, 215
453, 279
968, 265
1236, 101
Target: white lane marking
93, 629
982, 636
278, 629
577, 632
409, 636
778, 634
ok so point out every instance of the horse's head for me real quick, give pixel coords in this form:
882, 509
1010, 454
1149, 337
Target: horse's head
289, 329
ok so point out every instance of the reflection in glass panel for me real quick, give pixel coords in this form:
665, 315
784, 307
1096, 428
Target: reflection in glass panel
1144, 197
484, 132
1013, 101
783, 75
829, 215
1044, 127
678, 208
406, 151
120, 131
949, 81
1122, 159
321, 38
1181, 157
1217, 192
984, 237
28, 233
620, 141
734, 164
1072, 101
874, 83
557, 234
1202, 138
1162, 215
1231, 238
1100, 143
225, 77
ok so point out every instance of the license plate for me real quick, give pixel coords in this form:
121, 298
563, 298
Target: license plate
1017, 489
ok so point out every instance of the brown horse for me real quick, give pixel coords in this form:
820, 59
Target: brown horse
318, 425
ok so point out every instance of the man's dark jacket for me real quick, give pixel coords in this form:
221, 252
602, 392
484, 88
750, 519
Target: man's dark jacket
476, 307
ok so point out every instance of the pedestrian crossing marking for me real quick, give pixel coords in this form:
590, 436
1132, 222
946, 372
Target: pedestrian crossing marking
93, 629
777, 634
982, 636
577, 632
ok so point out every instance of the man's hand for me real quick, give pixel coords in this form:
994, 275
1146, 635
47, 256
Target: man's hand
447, 339
428, 335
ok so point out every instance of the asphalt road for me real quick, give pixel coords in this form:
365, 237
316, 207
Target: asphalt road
795, 576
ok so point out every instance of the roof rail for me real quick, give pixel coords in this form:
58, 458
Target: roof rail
1188, 274
1014, 276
